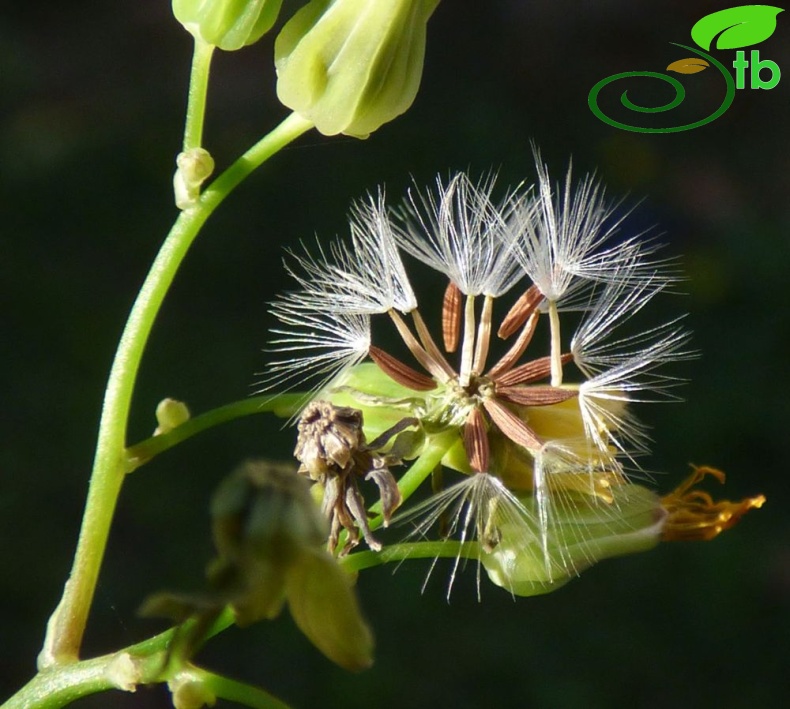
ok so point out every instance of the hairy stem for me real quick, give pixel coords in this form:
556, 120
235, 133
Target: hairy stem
67, 624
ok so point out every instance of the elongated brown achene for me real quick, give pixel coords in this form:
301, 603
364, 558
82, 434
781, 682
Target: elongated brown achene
440, 370
400, 372
535, 395
430, 344
519, 346
511, 425
451, 317
528, 372
521, 310
476, 441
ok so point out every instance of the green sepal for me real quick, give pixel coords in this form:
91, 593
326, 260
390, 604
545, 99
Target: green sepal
323, 604
583, 530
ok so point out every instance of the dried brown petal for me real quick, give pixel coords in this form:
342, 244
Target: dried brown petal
476, 441
511, 425
388, 491
381, 440
356, 505
451, 317
535, 395
400, 372
521, 310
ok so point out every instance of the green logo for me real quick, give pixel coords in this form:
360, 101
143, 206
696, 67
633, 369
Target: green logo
733, 28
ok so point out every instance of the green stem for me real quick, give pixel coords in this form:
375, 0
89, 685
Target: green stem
435, 449
283, 405
67, 624
123, 670
198, 90
410, 550
234, 691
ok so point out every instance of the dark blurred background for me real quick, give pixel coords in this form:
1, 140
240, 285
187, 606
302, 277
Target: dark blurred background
91, 109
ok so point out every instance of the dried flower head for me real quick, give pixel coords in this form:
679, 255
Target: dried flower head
332, 450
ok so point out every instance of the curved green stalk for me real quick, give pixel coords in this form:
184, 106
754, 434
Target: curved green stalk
198, 91
67, 624
232, 690
410, 550
283, 405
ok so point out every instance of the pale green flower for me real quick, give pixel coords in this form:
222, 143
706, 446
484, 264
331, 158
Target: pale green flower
349, 66
227, 24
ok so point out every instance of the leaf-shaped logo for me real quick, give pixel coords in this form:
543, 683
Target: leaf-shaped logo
736, 26
692, 65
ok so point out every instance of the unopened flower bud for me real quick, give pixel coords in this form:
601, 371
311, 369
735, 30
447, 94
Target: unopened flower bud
170, 413
189, 693
349, 66
194, 167
227, 24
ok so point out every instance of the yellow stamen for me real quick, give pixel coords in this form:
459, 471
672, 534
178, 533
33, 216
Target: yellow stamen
693, 515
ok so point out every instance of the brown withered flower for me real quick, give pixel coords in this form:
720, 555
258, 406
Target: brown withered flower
333, 452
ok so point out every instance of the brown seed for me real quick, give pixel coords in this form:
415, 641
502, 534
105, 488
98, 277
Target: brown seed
521, 310
521, 344
476, 441
528, 372
400, 372
511, 425
535, 395
451, 317
430, 346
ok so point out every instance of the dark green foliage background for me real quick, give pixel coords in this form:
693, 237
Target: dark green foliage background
91, 103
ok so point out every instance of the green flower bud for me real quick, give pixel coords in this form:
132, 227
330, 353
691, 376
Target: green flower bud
170, 413
227, 24
583, 533
349, 66
189, 693
194, 167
